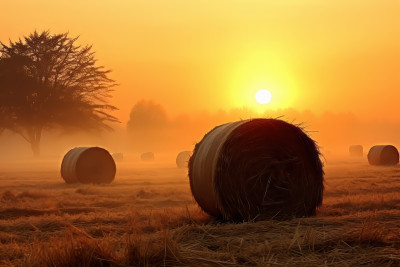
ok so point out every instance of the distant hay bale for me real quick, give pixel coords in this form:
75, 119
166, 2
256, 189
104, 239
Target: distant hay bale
88, 165
259, 168
118, 156
148, 156
383, 155
356, 151
182, 159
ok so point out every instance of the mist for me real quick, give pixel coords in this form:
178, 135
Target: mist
152, 128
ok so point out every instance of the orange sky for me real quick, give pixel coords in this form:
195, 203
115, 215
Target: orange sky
193, 55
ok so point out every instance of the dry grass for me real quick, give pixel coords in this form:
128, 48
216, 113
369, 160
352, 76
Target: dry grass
147, 217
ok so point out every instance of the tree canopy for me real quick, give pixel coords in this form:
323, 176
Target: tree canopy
148, 125
48, 81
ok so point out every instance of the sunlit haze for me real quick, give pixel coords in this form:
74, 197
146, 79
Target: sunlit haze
199, 133
206, 55
195, 57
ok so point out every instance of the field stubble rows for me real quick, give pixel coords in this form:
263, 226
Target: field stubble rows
148, 217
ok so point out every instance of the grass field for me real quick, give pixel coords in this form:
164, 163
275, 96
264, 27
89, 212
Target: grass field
147, 217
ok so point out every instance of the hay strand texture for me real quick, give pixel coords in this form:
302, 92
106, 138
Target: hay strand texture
383, 155
259, 168
182, 159
88, 165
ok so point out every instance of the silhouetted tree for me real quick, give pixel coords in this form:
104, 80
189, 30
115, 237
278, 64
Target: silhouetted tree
147, 115
48, 81
147, 125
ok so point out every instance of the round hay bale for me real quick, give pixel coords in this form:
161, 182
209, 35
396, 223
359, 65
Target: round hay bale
182, 159
383, 155
118, 156
88, 165
356, 151
148, 156
259, 168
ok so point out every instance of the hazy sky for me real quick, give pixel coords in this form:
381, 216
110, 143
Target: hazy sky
194, 55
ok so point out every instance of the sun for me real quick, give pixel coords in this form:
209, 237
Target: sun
263, 96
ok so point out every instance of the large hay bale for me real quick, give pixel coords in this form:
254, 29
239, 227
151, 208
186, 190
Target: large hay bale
383, 155
182, 159
259, 168
118, 156
88, 165
148, 156
356, 151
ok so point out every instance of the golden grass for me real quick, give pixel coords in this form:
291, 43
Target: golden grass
147, 217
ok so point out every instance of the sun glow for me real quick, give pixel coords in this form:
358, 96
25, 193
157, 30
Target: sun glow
263, 96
